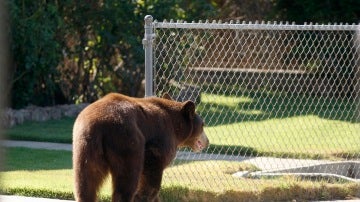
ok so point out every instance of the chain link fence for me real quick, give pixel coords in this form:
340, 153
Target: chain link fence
277, 99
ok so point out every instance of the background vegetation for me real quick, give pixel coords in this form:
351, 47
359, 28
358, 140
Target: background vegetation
76, 51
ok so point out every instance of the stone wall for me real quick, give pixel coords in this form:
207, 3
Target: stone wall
12, 117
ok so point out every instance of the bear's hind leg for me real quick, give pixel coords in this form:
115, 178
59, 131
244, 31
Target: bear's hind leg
125, 178
87, 183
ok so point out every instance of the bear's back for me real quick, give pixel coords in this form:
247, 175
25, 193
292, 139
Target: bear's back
120, 110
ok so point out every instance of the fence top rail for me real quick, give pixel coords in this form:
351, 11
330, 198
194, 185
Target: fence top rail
254, 26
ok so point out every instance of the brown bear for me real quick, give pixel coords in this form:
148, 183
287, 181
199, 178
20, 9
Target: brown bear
133, 139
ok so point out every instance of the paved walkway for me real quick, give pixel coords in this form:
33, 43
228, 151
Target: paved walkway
37, 145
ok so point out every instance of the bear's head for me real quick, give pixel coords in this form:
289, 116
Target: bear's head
196, 139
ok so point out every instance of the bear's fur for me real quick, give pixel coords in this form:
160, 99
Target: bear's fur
133, 139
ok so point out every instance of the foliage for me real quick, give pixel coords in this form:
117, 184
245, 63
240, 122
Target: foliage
247, 10
35, 52
77, 51
319, 11
106, 50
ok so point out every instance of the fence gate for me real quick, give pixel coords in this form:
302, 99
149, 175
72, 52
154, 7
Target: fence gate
280, 101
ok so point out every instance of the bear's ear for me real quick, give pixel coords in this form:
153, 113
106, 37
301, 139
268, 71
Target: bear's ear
188, 109
167, 96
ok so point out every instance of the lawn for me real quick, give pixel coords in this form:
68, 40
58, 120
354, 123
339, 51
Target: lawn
49, 131
254, 124
51, 176
276, 125
248, 124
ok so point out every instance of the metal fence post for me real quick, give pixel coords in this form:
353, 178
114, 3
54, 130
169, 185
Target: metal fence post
357, 72
148, 47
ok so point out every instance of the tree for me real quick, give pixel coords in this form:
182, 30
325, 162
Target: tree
80, 50
35, 52
320, 11
103, 44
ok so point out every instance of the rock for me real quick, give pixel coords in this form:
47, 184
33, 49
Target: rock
11, 117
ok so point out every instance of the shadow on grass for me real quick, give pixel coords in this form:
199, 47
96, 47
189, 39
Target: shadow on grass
232, 150
266, 104
223, 107
238, 150
43, 193
293, 192
235, 150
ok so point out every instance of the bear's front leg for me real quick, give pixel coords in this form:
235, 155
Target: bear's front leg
150, 181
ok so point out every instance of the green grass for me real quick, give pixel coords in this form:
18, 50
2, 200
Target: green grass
34, 172
49, 131
276, 125
262, 123
237, 122
297, 137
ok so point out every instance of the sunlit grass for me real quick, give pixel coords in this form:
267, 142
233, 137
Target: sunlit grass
183, 181
237, 121
314, 137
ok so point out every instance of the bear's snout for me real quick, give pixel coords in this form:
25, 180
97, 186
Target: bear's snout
201, 143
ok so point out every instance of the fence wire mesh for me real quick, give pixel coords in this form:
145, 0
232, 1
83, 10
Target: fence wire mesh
276, 99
